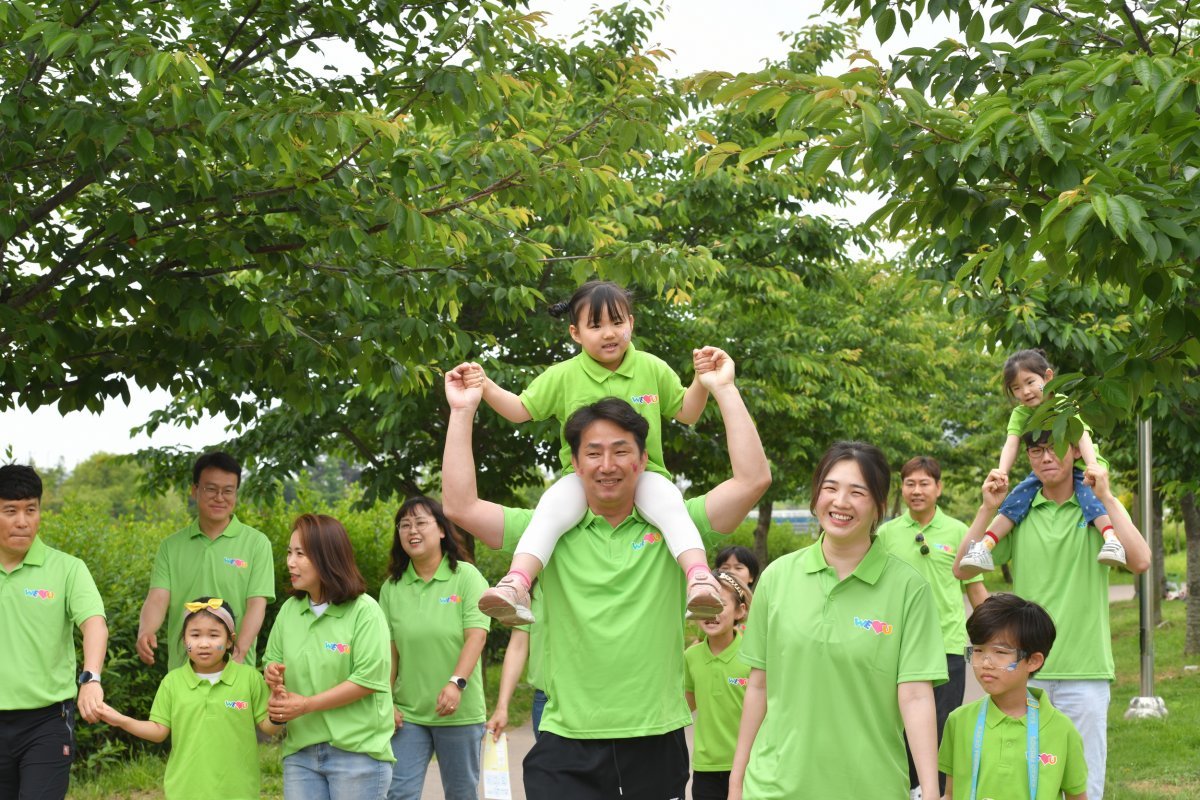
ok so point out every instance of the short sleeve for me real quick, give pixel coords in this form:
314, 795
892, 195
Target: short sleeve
84, 600
922, 649
160, 576
1075, 773
387, 598
262, 571
274, 651
473, 585
259, 695
371, 649
1017, 419
689, 681
946, 751
670, 390
516, 520
160, 710
541, 395
754, 642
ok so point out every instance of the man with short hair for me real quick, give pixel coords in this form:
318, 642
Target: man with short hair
45, 593
928, 539
1053, 554
215, 556
612, 653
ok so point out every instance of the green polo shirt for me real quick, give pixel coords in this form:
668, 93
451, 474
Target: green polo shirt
719, 686
428, 621
1053, 555
1002, 767
349, 642
1019, 418
235, 566
645, 381
834, 652
42, 600
214, 744
943, 535
612, 628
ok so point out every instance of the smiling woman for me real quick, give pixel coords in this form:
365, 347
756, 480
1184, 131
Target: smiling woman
431, 600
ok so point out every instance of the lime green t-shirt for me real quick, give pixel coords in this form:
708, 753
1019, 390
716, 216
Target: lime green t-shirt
1019, 418
235, 566
1002, 768
645, 381
428, 621
612, 628
943, 534
718, 683
42, 600
834, 652
214, 742
1053, 555
349, 642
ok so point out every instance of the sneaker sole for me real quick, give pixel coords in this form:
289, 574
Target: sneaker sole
700, 610
504, 612
1109, 561
971, 570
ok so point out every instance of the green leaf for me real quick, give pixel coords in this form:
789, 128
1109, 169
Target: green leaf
1076, 220
818, 159
1099, 201
1044, 133
885, 25
1166, 95
113, 136
145, 139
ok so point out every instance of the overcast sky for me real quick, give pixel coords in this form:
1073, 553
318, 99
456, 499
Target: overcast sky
704, 34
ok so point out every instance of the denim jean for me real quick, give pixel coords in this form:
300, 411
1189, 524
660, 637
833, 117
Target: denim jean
1018, 502
539, 705
1085, 703
457, 748
323, 772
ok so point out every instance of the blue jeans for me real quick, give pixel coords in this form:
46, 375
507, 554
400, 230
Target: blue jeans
1016, 505
457, 748
323, 772
539, 705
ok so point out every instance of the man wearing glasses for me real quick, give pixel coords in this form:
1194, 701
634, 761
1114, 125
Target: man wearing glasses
928, 539
1053, 568
215, 556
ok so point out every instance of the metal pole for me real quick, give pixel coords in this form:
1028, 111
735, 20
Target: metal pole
1147, 705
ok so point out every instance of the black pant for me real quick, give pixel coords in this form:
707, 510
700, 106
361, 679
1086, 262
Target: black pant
946, 698
641, 768
710, 785
37, 747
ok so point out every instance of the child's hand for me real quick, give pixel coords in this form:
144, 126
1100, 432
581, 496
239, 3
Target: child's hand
1096, 477
1001, 478
994, 492
464, 386
475, 376
285, 706
273, 675
107, 714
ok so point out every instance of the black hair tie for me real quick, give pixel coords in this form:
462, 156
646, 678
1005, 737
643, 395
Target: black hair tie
559, 309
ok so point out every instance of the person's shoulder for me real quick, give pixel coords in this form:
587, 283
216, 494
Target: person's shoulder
466, 569
965, 710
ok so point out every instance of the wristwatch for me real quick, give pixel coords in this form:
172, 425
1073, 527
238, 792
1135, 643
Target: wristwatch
461, 683
88, 677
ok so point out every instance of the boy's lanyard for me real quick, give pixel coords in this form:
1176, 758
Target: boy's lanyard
1032, 756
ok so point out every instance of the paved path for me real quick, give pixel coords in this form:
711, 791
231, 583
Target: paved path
520, 740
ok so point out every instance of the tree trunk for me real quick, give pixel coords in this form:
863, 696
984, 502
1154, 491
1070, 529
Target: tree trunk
1159, 558
765, 508
1191, 528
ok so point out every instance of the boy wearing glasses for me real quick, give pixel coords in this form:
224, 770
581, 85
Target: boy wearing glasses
1012, 743
927, 538
215, 556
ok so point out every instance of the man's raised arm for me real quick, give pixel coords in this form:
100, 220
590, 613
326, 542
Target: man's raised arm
728, 503
460, 496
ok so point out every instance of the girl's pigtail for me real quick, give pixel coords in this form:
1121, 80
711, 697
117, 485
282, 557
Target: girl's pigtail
559, 309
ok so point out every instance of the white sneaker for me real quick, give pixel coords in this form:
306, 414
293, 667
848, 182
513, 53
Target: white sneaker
1112, 553
915, 794
978, 559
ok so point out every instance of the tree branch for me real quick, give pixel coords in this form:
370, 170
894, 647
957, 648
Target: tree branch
237, 31
1137, 29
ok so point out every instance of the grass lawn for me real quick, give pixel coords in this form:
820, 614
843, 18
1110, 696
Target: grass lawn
1147, 759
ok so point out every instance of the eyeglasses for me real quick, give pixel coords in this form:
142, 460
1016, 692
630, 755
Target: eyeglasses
420, 525
987, 654
213, 492
920, 539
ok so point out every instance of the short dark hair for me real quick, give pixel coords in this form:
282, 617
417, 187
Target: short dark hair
19, 482
744, 555
610, 409
871, 462
452, 547
1035, 439
216, 460
328, 547
597, 296
1006, 613
1034, 361
926, 464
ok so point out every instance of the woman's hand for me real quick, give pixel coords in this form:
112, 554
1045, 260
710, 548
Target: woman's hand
448, 700
285, 706
497, 723
399, 717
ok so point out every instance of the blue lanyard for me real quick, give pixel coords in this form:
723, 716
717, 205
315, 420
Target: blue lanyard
1032, 757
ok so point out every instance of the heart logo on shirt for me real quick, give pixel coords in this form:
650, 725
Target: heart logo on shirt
1048, 759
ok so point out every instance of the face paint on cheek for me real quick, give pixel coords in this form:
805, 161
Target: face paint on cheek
626, 336
1012, 667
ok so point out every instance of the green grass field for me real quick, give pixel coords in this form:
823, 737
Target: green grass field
1147, 759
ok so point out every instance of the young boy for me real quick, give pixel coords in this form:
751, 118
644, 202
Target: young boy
1012, 744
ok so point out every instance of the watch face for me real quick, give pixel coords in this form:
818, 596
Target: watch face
461, 683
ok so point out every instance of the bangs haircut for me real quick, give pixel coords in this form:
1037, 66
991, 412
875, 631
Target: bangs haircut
743, 555
927, 464
452, 546
1033, 360
872, 463
328, 547
20, 482
598, 297
216, 460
